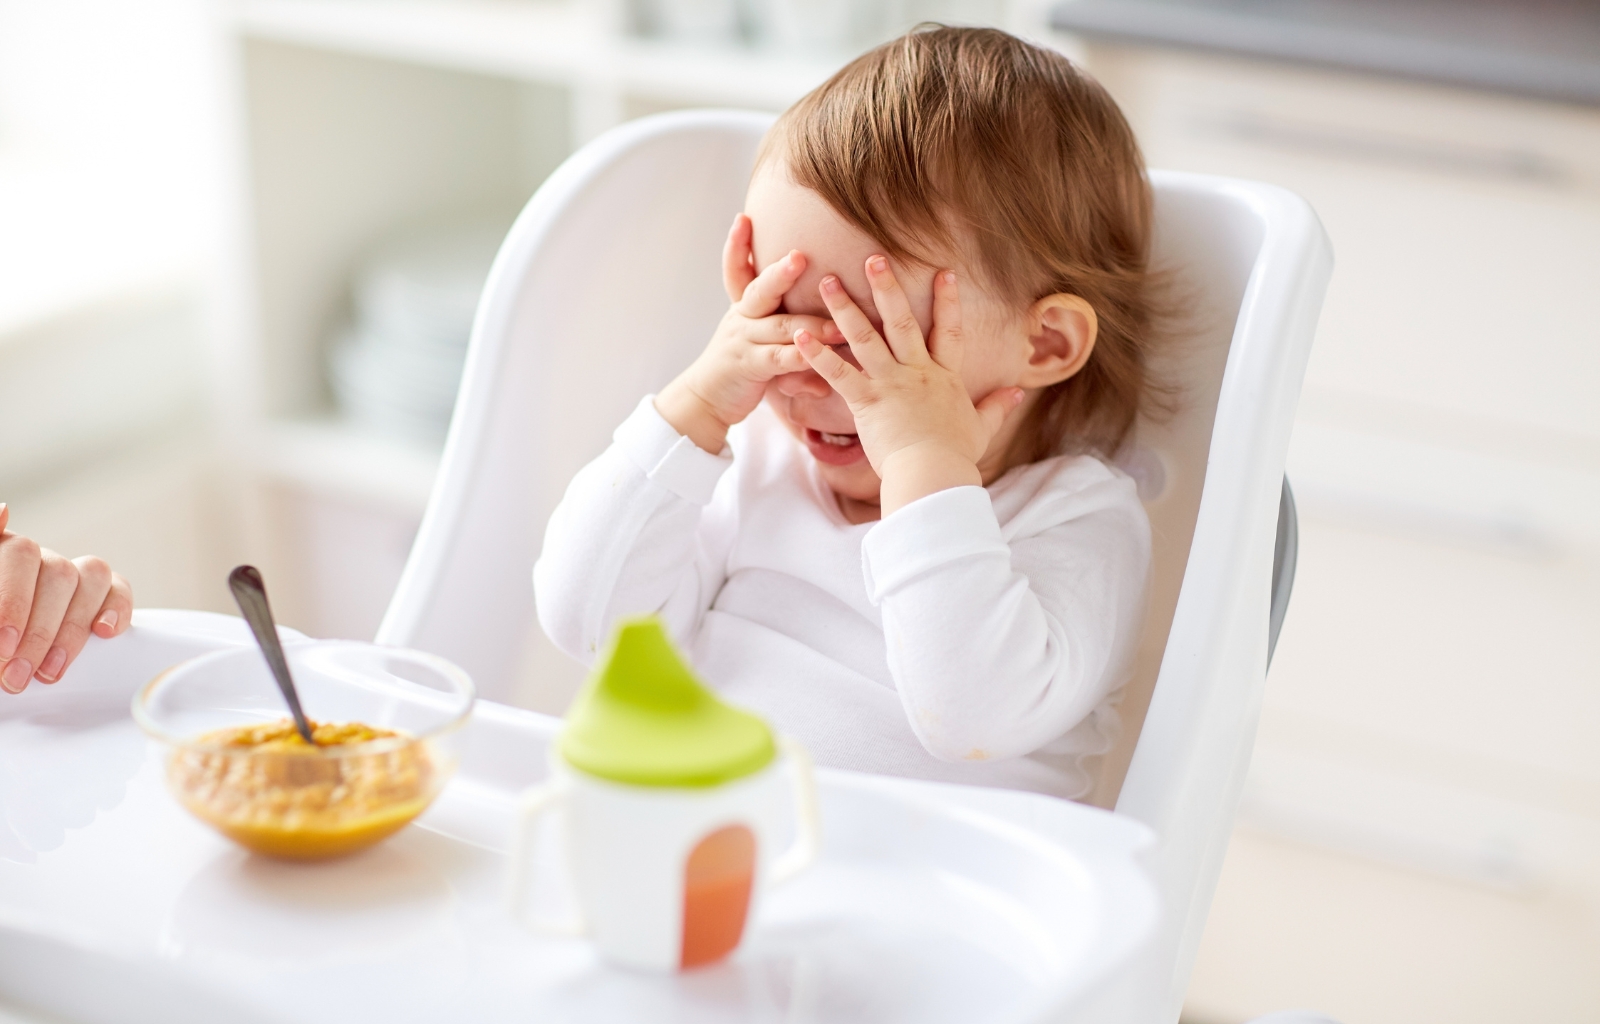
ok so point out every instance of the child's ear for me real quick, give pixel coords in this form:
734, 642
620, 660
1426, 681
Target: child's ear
1061, 331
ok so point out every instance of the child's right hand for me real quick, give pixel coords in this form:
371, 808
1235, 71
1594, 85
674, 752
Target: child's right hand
753, 344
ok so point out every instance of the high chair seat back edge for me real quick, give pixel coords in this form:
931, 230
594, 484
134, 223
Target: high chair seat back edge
1193, 749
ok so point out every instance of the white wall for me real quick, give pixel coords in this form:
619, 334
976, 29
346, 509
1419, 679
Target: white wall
111, 179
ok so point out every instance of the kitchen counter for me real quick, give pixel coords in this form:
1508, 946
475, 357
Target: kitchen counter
1544, 48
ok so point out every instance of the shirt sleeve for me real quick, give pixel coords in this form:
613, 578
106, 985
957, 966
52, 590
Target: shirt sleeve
629, 537
1000, 645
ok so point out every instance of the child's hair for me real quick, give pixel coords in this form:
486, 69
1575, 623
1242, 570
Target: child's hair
970, 140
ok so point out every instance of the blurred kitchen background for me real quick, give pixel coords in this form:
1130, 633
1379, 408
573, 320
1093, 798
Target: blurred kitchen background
241, 240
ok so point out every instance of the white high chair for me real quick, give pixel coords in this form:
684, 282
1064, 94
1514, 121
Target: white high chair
612, 273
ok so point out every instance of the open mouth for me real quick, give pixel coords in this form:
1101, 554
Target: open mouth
834, 449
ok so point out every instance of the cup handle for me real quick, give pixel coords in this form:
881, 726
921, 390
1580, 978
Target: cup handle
808, 825
534, 803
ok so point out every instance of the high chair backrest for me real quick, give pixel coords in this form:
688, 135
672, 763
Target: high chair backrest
1249, 265
606, 286
609, 283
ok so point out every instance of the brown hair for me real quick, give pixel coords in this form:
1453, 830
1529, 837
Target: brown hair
969, 139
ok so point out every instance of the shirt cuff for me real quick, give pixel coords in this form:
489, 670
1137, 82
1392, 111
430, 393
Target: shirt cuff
930, 533
668, 458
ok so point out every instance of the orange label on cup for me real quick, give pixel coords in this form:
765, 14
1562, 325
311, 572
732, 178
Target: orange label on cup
716, 894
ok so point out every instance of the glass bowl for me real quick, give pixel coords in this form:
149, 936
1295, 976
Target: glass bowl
387, 722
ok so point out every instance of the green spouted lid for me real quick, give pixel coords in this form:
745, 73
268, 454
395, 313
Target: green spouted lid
643, 718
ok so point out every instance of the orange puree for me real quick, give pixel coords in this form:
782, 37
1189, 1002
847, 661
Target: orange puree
716, 894
263, 787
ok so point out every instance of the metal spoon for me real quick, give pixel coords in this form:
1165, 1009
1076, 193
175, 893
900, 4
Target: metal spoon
251, 593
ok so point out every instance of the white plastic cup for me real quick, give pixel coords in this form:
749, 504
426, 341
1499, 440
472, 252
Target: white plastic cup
666, 877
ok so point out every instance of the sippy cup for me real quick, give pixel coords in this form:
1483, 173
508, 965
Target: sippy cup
672, 802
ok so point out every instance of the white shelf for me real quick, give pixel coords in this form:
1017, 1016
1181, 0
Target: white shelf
538, 41
331, 457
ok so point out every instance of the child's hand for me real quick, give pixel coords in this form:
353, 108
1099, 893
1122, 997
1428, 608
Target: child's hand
750, 347
49, 605
918, 426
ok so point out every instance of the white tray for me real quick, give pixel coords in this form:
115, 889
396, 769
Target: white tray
929, 903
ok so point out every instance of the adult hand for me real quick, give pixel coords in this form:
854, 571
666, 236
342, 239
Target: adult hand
752, 345
919, 428
48, 607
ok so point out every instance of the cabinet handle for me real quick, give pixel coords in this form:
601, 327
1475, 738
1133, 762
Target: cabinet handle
1507, 162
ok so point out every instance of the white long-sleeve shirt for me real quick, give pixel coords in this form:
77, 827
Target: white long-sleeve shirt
976, 635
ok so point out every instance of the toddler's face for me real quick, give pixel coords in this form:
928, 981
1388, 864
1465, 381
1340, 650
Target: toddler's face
788, 216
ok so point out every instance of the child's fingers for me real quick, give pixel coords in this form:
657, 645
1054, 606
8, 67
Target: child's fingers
94, 583
840, 375
900, 325
737, 273
945, 342
117, 610
869, 348
763, 295
57, 582
5, 516
996, 406
19, 573
776, 360
779, 329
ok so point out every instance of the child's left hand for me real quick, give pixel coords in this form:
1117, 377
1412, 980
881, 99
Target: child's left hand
920, 429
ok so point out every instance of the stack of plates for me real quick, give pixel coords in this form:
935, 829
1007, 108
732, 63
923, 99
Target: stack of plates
396, 369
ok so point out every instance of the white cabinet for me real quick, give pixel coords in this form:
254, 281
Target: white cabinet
1465, 224
1430, 721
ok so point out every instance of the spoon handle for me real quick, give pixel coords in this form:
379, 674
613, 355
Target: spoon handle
251, 594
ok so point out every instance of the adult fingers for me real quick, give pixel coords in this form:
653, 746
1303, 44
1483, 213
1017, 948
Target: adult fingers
57, 582
945, 344
900, 325
94, 583
737, 273
763, 295
868, 346
116, 613
840, 375
19, 573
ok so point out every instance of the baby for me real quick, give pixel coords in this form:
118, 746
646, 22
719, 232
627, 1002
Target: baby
875, 509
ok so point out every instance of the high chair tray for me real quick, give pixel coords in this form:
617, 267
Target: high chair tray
929, 902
